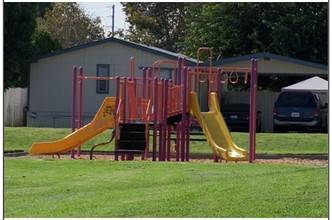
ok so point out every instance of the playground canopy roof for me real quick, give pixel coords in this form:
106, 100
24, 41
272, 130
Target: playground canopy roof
314, 84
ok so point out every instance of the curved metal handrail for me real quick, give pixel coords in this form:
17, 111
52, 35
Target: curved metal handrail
102, 143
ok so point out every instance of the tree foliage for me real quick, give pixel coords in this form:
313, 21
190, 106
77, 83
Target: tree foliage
160, 24
44, 42
233, 29
289, 28
19, 25
70, 25
32, 29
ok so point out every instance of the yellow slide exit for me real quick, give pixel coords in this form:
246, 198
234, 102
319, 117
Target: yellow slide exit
216, 130
103, 120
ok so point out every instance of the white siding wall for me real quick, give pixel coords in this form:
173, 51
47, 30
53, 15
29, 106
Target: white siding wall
51, 81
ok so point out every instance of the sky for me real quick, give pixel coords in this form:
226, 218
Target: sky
104, 11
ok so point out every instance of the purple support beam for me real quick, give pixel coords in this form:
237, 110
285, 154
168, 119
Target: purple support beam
218, 83
178, 81
161, 129
155, 119
144, 95
168, 156
184, 116
164, 120
187, 118
178, 141
124, 115
117, 100
253, 110
184, 62
146, 156
169, 127
215, 158
187, 142
80, 105
73, 112
144, 83
124, 100
149, 83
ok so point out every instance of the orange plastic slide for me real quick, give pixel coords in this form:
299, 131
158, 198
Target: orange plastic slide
216, 130
104, 119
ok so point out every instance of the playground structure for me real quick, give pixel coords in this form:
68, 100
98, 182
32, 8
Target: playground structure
164, 107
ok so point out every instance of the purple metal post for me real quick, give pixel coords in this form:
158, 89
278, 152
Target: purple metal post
136, 95
161, 134
144, 97
184, 116
149, 83
155, 119
253, 100
178, 82
80, 105
164, 123
168, 127
117, 95
124, 99
144, 83
124, 106
168, 156
187, 138
184, 62
73, 112
146, 156
187, 118
218, 83
178, 141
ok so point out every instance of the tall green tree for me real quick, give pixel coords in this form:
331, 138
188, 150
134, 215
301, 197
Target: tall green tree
295, 29
159, 24
44, 42
302, 32
70, 25
19, 24
232, 29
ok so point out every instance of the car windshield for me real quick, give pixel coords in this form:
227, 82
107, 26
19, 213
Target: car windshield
290, 99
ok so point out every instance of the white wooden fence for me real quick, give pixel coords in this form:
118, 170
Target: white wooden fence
15, 100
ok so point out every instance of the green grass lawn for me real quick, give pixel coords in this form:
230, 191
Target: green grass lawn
68, 188
45, 187
21, 138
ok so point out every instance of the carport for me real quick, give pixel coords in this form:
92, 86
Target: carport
273, 67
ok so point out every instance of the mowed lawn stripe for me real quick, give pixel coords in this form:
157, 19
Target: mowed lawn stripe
81, 188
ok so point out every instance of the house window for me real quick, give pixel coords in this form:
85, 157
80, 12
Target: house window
166, 73
103, 70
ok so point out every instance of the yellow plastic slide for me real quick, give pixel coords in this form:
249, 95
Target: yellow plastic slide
103, 120
216, 130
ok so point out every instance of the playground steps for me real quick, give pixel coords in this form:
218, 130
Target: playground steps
132, 137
